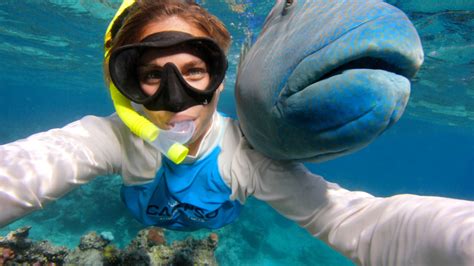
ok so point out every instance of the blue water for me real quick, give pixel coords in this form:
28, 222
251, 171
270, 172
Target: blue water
50, 75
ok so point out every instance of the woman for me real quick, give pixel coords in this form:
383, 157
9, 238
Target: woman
168, 57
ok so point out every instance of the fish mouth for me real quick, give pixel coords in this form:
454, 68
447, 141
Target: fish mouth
334, 89
346, 107
372, 63
308, 73
401, 56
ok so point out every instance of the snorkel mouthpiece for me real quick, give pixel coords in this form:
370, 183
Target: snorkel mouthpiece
170, 142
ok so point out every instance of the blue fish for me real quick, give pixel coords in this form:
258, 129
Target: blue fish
326, 78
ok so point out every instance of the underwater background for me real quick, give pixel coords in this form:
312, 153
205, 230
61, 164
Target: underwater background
51, 75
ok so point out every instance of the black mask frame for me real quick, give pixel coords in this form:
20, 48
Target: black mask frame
174, 93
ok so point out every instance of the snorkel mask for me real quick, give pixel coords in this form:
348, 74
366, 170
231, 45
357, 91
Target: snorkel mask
174, 94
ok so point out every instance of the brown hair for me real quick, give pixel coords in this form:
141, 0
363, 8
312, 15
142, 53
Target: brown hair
129, 26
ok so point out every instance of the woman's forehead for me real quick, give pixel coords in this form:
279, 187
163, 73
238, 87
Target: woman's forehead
173, 23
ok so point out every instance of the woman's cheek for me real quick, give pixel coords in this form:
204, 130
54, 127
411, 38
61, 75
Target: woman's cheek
149, 89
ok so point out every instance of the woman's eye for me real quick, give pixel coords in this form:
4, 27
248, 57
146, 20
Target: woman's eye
195, 73
151, 77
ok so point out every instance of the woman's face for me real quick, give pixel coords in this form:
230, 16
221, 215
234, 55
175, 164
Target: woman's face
193, 70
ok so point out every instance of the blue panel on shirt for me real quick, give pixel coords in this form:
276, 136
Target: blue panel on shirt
184, 197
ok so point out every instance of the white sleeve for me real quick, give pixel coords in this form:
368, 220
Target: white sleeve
45, 166
399, 230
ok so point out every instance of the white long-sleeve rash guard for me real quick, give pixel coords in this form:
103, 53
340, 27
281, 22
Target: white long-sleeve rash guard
399, 230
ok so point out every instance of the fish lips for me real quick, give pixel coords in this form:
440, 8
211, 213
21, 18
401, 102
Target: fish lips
345, 98
343, 113
390, 60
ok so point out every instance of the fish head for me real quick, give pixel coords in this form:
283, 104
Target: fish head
325, 78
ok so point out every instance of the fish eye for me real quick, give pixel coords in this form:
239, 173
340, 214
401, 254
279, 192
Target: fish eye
287, 6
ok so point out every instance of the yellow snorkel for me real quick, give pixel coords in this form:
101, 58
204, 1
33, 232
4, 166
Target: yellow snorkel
138, 124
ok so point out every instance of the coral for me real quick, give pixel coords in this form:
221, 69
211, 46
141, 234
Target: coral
20, 233
136, 257
148, 248
44, 252
111, 255
16, 248
17, 239
184, 256
90, 257
213, 240
200, 252
6, 254
107, 236
188, 252
148, 238
93, 241
90, 250
156, 236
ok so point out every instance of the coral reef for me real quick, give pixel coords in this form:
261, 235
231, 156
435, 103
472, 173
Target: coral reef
148, 248
16, 248
151, 244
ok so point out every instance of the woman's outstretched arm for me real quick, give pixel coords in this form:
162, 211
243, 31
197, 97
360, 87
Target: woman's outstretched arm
47, 165
398, 230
